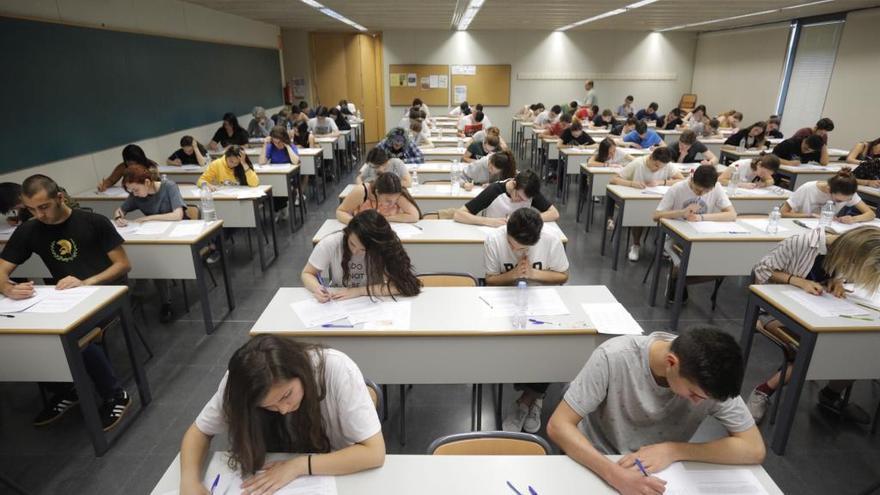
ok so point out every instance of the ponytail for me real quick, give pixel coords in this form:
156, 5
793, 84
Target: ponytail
504, 161
843, 182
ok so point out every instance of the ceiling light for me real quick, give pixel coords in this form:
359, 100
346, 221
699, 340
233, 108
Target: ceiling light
469, 13
742, 16
632, 6
332, 13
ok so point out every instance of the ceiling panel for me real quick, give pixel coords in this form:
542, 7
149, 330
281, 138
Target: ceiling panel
382, 15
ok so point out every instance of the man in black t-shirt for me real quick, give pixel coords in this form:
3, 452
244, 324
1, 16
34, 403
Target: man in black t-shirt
499, 199
686, 149
574, 135
794, 151
79, 248
191, 152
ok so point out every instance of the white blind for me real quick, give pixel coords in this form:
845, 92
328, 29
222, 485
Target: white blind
810, 76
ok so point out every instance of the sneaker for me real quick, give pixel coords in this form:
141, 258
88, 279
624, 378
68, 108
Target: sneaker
634, 253
113, 410
515, 418
610, 226
165, 313
58, 405
832, 402
533, 420
670, 292
214, 257
757, 404
284, 213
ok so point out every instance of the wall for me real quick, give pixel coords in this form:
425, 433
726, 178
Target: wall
297, 62
741, 69
532, 51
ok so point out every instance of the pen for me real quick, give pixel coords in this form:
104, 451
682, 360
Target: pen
537, 322
641, 468
214, 484
6, 315
485, 301
517, 492
332, 325
532, 491
418, 227
802, 224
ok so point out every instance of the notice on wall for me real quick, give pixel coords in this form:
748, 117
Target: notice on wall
433, 81
459, 94
298, 84
464, 70
394, 79
426, 82
443, 81
412, 79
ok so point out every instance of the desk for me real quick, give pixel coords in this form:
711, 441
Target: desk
330, 146
161, 257
549, 151
474, 474
714, 255
310, 159
830, 348
442, 245
799, 175
432, 171
432, 197
281, 176
246, 213
44, 347
870, 195
450, 141
448, 154
636, 209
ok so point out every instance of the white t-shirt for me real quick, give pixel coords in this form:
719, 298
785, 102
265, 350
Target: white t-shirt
347, 410
322, 128
327, 257
810, 200
470, 120
680, 196
543, 119
547, 254
637, 170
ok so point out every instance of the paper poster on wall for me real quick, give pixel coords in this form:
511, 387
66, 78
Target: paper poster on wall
464, 70
433, 82
412, 80
299, 87
394, 79
426, 82
460, 94
443, 81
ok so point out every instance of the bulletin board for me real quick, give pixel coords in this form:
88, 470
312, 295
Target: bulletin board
490, 85
403, 95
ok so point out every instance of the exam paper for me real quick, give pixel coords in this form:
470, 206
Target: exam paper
733, 481
230, 484
398, 314
612, 319
192, 168
760, 224
130, 229
187, 229
152, 228
837, 227
8, 305
661, 190
114, 191
826, 305
719, 228
59, 301
251, 192
405, 230
312, 313
543, 301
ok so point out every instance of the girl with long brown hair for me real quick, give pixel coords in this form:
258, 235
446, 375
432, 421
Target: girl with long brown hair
386, 195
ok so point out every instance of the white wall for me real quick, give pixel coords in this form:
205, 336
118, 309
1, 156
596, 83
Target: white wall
594, 52
741, 69
297, 60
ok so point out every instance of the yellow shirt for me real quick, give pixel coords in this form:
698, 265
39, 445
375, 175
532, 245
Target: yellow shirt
218, 172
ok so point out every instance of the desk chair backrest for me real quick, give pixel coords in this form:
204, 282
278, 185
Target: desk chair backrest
376, 395
192, 212
490, 443
688, 102
447, 280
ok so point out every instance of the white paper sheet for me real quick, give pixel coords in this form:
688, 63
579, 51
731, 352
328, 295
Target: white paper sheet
312, 313
114, 191
130, 229
191, 168
760, 224
837, 227
719, 228
405, 230
8, 305
826, 305
271, 166
543, 301
553, 227
734, 481
661, 190
398, 315
230, 484
251, 192
612, 319
187, 229
153, 228
489, 230
60, 301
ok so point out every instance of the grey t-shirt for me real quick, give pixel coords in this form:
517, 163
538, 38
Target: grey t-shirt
477, 171
395, 166
624, 408
327, 258
166, 200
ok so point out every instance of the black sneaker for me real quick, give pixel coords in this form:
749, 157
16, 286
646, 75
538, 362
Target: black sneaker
165, 313
58, 405
832, 402
214, 257
113, 410
670, 292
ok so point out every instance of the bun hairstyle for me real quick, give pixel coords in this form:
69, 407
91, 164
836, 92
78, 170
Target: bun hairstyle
768, 161
504, 161
844, 182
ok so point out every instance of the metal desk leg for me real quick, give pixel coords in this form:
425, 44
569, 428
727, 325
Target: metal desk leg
86, 392
609, 211
291, 190
618, 234
140, 376
261, 234
658, 256
589, 199
748, 331
580, 196
230, 300
680, 282
792, 393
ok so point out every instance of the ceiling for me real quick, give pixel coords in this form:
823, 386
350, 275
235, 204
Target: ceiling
383, 15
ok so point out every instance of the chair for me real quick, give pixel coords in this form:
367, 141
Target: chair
789, 347
490, 443
375, 394
688, 102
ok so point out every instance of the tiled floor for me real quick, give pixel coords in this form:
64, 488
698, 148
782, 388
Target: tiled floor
824, 456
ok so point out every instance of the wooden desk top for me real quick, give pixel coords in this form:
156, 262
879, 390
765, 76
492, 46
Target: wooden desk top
632, 194
429, 191
62, 323
775, 295
686, 230
189, 192
811, 168
436, 232
444, 150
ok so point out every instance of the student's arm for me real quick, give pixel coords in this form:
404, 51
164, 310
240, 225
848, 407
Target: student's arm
468, 157
462, 215
507, 278
854, 154
200, 158
209, 175
406, 178
548, 277
823, 156
292, 154
788, 212
793, 163
193, 450
214, 146
408, 212
620, 181
263, 159
867, 214
119, 266
709, 158
345, 210
724, 176
673, 214
593, 162
113, 178
725, 215
746, 447
175, 161
309, 277
550, 214
11, 289
119, 217
172, 216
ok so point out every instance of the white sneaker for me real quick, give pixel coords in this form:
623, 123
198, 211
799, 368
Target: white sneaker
284, 213
610, 225
757, 404
533, 420
515, 418
633, 253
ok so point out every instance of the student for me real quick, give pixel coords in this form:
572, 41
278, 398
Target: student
260, 126
282, 116
572, 108
686, 149
807, 201
773, 124
461, 110
605, 120
479, 149
626, 110
816, 262
645, 396
558, 127
469, 124
523, 251
228, 134
11, 205
608, 154
386, 195
365, 259
794, 150
730, 119
486, 122
526, 113
280, 395
191, 152
583, 114
646, 171
575, 136
649, 113
823, 127
339, 119
419, 135
753, 172
378, 162
231, 168
132, 156
547, 117
278, 148
868, 172
696, 120
643, 138
590, 99
494, 131
499, 165
419, 104
298, 124
305, 110
671, 121
623, 129
499, 199
79, 248
398, 145
864, 151
711, 130
697, 199
159, 201
322, 125
753, 136
412, 116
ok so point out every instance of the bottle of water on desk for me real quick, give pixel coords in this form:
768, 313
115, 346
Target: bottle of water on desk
415, 176
827, 214
455, 177
773, 221
741, 146
520, 313
734, 180
460, 143
209, 214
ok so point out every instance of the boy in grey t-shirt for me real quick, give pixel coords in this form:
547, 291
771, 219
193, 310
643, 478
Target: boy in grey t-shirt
645, 396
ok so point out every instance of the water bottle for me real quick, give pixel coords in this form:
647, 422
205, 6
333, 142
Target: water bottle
460, 143
209, 214
520, 313
455, 178
827, 214
415, 177
741, 146
359, 114
164, 177
734, 182
773, 221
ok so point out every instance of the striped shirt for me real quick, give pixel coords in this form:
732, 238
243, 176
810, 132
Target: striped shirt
794, 256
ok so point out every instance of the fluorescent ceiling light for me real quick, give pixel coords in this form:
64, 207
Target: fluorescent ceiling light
632, 6
469, 13
742, 16
332, 13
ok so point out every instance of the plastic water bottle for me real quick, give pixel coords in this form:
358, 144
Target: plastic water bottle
209, 214
741, 146
415, 177
773, 221
455, 178
827, 214
460, 143
734, 182
359, 114
520, 313
164, 177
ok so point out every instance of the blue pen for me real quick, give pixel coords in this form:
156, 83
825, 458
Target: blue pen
517, 492
214, 484
321, 281
537, 322
641, 468
532, 491
332, 325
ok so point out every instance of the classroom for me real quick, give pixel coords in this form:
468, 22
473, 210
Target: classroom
445, 246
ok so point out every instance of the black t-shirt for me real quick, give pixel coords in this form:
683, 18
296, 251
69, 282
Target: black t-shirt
495, 189
78, 246
239, 137
598, 122
187, 159
584, 139
302, 135
671, 125
868, 169
790, 149
691, 156
342, 123
775, 134
476, 150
